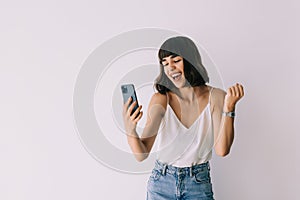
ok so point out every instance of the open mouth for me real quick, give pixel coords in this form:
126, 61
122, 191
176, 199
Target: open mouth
176, 76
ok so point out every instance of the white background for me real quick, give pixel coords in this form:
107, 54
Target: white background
44, 44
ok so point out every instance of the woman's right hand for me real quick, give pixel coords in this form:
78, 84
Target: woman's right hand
130, 121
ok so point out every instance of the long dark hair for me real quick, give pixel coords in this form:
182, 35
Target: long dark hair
194, 71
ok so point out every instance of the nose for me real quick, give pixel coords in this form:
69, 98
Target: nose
171, 66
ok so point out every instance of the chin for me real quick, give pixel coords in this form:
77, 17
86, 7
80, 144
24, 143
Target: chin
180, 85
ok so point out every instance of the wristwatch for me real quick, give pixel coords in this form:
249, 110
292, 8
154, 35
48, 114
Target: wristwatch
229, 114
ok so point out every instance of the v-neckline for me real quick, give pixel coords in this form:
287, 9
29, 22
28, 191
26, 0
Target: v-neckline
188, 128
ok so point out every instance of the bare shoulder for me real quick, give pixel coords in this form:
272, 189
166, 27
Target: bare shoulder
158, 99
218, 92
217, 95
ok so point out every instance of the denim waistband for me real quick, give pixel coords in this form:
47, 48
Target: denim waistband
165, 168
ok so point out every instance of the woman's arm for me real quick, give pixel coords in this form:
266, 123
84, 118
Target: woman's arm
224, 125
141, 147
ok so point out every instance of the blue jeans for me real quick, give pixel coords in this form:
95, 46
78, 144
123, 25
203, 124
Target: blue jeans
168, 182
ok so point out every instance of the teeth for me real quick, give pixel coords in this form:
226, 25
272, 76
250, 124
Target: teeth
175, 75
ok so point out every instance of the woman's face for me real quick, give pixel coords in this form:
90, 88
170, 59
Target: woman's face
173, 68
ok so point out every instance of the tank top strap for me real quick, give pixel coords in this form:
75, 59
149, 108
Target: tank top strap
210, 91
167, 98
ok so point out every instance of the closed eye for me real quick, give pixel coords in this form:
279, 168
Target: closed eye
176, 61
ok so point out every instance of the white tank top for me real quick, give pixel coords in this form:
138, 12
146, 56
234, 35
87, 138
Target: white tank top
181, 146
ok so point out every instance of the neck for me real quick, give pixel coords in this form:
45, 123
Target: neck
188, 94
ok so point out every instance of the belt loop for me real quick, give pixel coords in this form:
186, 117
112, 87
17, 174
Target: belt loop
164, 169
191, 171
208, 166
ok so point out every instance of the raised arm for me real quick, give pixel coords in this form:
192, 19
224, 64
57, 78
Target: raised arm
141, 147
224, 125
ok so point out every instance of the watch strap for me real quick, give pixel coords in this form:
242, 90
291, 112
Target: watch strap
229, 114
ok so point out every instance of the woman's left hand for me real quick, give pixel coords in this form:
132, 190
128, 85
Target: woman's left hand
234, 94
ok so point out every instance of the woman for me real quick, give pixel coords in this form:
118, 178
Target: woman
196, 118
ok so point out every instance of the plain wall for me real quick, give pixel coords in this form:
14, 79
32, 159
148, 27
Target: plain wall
44, 44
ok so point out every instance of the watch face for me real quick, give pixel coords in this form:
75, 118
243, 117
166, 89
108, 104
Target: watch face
232, 114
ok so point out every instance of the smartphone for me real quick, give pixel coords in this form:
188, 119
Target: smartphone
129, 91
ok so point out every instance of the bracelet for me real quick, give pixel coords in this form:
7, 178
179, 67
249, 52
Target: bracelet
229, 114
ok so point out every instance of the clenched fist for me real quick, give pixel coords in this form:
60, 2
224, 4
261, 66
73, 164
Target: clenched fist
131, 119
234, 94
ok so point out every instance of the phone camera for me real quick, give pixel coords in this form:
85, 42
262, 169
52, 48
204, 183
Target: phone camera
124, 89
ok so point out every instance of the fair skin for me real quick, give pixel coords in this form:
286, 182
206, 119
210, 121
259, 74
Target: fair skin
188, 104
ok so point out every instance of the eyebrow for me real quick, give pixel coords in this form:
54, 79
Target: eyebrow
172, 56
